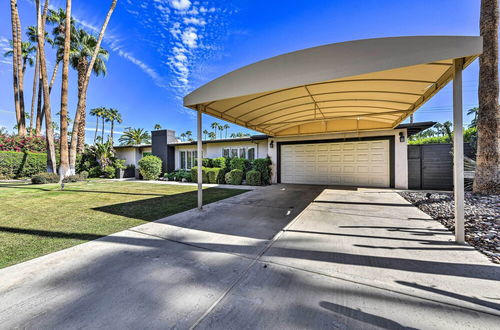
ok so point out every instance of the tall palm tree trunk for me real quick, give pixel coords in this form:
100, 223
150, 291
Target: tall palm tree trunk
76, 122
33, 95
82, 102
39, 109
102, 132
51, 151
54, 75
112, 129
64, 164
16, 66
487, 176
20, 73
96, 128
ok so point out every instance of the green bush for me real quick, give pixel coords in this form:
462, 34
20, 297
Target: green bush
207, 162
179, 175
220, 162
234, 177
75, 178
150, 167
194, 174
242, 164
109, 172
21, 164
263, 166
42, 178
253, 178
214, 175
95, 172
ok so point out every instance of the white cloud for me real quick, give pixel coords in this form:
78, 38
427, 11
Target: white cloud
190, 37
180, 4
194, 20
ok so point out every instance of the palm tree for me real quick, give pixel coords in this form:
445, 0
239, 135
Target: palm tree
105, 115
82, 48
220, 128
447, 125
470, 112
113, 116
49, 134
189, 135
96, 112
212, 136
134, 136
64, 168
215, 127
183, 136
17, 71
226, 126
157, 127
487, 176
205, 133
80, 109
27, 51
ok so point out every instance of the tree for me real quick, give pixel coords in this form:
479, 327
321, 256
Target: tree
212, 136
157, 127
134, 136
96, 112
17, 68
189, 135
215, 127
447, 128
49, 134
64, 169
473, 111
58, 18
83, 46
183, 136
220, 128
113, 116
487, 176
81, 100
226, 126
105, 118
205, 133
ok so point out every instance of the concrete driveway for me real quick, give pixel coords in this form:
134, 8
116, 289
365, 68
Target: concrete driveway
283, 256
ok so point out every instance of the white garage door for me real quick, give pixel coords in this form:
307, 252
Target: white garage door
360, 163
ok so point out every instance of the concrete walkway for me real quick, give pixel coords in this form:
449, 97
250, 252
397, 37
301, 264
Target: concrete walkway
279, 257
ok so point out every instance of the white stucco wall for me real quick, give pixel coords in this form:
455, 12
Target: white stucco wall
400, 151
131, 155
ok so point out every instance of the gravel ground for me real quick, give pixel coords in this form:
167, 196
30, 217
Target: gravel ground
482, 217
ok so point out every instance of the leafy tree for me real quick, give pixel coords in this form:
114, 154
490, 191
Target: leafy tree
473, 112
157, 127
98, 113
225, 127
215, 127
189, 135
113, 115
134, 136
205, 133
212, 136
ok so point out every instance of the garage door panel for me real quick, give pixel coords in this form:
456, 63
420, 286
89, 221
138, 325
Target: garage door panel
358, 163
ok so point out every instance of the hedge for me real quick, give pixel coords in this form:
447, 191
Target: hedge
253, 178
21, 164
263, 166
242, 164
214, 175
234, 177
44, 177
194, 174
149, 167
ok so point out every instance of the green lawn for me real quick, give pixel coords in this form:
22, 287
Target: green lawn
40, 219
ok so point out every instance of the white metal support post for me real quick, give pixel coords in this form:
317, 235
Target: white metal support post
199, 163
458, 152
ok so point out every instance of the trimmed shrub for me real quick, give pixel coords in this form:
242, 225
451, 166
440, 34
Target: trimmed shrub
206, 162
220, 162
240, 164
95, 172
109, 172
42, 178
21, 164
234, 177
263, 166
253, 178
75, 178
150, 167
179, 175
214, 175
194, 174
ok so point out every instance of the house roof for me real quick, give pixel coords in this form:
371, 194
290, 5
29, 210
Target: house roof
241, 139
134, 146
371, 84
414, 128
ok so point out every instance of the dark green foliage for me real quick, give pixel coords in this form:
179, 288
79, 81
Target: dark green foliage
240, 164
253, 178
150, 167
75, 178
44, 177
179, 175
214, 175
109, 172
95, 172
21, 164
234, 177
263, 166
221, 162
194, 174
207, 162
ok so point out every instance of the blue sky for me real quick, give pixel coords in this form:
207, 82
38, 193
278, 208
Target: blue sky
162, 49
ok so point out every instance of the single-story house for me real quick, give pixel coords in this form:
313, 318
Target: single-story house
366, 159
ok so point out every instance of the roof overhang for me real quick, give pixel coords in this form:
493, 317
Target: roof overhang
370, 84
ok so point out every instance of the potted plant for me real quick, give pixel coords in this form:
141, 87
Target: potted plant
120, 168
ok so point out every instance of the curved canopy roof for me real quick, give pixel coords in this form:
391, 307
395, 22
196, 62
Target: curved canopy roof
369, 84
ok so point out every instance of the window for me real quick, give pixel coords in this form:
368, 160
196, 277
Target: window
243, 153
251, 153
225, 152
188, 159
234, 152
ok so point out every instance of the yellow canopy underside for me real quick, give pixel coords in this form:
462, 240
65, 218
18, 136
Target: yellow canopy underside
373, 101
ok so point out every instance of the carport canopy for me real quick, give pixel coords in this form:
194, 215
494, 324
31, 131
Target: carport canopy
362, 85
370, 84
